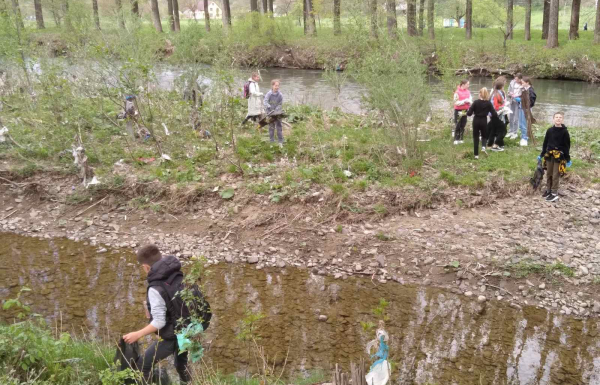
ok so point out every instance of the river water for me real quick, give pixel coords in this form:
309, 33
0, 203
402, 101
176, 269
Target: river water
580, 101
314, 321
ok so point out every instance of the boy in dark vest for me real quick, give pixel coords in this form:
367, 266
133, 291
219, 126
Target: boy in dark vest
555, 155
164, 280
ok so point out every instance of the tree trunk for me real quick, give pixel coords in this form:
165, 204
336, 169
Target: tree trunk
597, 28
312, 24
254, 13
170, 15
337, 25
39, 15
156, 16
574, 28
265, 7
553, 25
431, 19
17, 11
392, 21
528, 20
270, 6
176, 15
226, 14
421, 17
304, 14
469, 19
135, 7
206, 16
411, 17
373, 12
546, 19
509, 18
96, 15
120, 17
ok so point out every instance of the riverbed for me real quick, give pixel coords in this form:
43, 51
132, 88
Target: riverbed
435, 336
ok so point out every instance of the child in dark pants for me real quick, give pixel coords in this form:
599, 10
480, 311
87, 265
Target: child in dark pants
481, 108
462, 102
555, 152
497, 127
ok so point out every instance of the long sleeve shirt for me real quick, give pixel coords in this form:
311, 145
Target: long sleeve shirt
158, 309
557, 138
274, 102
481, 108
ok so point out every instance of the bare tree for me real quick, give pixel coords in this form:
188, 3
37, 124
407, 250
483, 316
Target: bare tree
170, 17
135, 7
311, 28
39, 15
337, 24
597, 28
373, 12
226, 14
254, 13
156, 16
431, 19
392, 21
17, 12
469, 19
421, 17
527, 20
265, 7
411, 17
552, 41
96, 15
574, 27
176, 15
546, 20
270, 7
206, 16
120, 17
509, 18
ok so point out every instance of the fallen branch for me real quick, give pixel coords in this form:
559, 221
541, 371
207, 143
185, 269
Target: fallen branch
92, 206
6, 216
279, 228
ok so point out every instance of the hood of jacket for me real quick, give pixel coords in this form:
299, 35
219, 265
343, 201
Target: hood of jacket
164, 268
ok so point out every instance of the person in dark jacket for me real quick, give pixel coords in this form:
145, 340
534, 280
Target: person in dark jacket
481, 108
497, 127
555, 154
160, 272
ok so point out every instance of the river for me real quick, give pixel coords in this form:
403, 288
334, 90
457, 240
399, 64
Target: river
435, 336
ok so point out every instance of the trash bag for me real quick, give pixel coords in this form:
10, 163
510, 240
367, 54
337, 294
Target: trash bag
538, 176
126, 358
188, 341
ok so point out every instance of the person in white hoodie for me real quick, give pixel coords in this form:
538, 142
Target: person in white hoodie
255, 99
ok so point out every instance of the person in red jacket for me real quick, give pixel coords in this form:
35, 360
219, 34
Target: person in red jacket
462, 102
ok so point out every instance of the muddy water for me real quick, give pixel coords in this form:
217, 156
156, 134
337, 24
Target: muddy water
436, 336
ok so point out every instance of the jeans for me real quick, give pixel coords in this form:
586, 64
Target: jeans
158, 351
523, 124
461, 122
276, 125
514, 117
479, 127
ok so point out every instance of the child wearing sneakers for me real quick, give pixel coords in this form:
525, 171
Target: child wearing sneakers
555, 152
462, 102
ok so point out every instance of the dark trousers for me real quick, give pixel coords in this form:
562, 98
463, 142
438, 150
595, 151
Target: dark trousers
253, 118
461, 123
553, 174
496, 132
159, 350
479, 128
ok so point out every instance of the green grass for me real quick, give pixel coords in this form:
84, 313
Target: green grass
527, 267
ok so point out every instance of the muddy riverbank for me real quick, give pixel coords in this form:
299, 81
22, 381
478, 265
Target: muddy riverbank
313, 321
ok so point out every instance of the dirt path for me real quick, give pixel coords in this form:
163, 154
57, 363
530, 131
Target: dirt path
521, 249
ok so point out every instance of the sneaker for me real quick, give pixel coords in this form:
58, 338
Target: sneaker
461, 141
483, 149
456, 142
523, 143
512, 136
545, 194
499, 149
476, 156
452, 134
552, 197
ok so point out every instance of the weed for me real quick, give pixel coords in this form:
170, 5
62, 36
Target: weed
384, 237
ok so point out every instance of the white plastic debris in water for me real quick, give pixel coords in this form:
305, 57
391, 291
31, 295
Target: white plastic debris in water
167, 133
3, 132
165, 157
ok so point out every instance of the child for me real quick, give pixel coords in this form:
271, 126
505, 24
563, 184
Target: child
254, 99
462, 102
514, 93
274, 107
555, 152
481, 108
497, 127
162, 322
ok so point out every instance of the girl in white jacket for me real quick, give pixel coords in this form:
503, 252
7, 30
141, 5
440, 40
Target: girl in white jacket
255, 105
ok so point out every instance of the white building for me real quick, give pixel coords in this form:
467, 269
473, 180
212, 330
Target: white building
214, 11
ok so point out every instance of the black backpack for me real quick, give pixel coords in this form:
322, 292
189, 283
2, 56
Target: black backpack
181, 313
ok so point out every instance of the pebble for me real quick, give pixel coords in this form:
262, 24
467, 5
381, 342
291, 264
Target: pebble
469, 293
542, 286
252, 259
481, 298
322, 318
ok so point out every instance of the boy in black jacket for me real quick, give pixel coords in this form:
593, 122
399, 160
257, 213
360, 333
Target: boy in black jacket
555, 152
